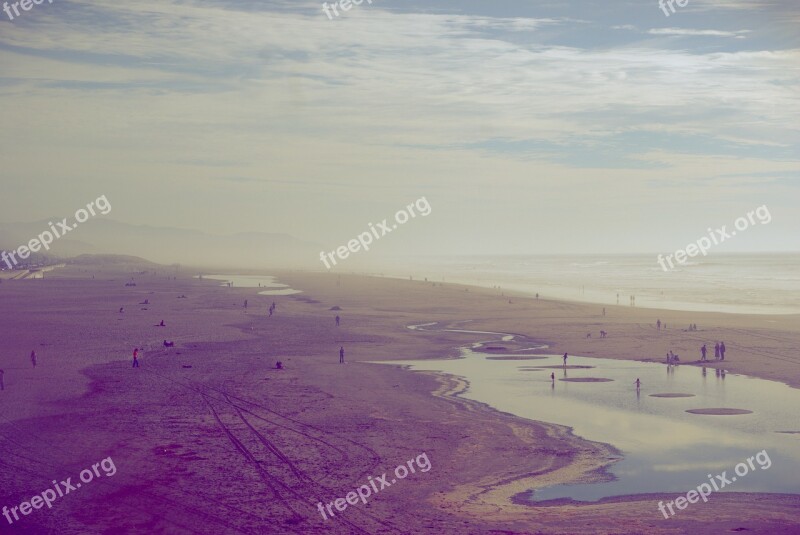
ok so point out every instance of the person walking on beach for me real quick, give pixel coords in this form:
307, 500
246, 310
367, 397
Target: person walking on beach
716, 351
638, 384
565, 360
703, 352
337, 321
245, 303
135, 357
341, 355
553, 378
658, 324
722, 351
33, 358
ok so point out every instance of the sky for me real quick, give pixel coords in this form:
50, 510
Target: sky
570, 126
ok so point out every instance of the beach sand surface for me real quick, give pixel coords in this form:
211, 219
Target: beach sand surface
207, 437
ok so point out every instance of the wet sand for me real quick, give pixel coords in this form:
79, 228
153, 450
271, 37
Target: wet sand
232, 445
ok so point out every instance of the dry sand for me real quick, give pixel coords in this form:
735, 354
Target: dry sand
231, 445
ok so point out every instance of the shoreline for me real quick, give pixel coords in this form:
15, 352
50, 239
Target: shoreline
369, 416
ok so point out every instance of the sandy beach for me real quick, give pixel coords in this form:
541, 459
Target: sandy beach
208, 437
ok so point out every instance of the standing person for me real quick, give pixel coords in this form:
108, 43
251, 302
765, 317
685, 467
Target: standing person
722, 351
2, 386
658, 324
341, 355
337, 321
716, 351
33, 358
553, 378
565, 360
135, 357
245, 303
638, 384
703, 352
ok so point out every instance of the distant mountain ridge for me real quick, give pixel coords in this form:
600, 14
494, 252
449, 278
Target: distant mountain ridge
166, 245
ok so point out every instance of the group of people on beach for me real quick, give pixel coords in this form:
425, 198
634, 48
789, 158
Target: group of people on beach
672, 358
719, 351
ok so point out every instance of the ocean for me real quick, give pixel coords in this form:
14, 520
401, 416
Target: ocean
734, 283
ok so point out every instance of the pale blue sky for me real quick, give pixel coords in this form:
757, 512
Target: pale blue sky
530, 126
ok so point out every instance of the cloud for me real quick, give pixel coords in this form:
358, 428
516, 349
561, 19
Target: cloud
232, 107
689, 32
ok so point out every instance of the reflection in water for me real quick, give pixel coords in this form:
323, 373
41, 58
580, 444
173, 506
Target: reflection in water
664, 447
255, 281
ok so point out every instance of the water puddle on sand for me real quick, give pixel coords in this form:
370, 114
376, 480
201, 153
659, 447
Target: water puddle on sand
665, 448
271, 287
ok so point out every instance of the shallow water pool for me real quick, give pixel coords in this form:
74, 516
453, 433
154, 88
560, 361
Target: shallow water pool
664, 448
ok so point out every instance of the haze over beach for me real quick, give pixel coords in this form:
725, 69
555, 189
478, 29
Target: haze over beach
376, 267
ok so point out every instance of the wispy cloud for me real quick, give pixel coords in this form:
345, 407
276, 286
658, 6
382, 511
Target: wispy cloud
706, 33
206, 100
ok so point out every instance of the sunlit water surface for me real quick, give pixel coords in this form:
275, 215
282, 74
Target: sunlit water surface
271, 287
664, 448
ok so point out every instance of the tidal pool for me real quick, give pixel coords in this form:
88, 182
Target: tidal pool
664, 448
271, 287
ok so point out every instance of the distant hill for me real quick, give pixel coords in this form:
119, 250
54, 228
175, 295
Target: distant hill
166, 245
111, 260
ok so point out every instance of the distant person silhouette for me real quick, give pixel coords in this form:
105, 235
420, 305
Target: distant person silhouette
2, 386
341, 355
722, 351
552, 377
33, 358
716, 351
658, 324
337, 321
565, 360
703, 352
136, 357
638, 384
